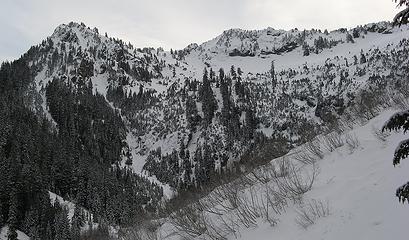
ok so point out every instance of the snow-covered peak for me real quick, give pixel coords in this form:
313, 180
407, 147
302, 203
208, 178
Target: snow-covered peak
242, 42
77, 33
251, 43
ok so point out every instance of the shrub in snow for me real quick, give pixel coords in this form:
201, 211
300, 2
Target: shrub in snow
309, 212
379, 134
352, 142
314, 148
332, 141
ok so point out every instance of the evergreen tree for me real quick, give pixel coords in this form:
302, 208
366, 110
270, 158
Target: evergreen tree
221, 74
349, 38
12, 233
192, 115
62, 225
403, 16
208, 162
363, 58
355, 33
233, 72
400, 121
306, 49
77, 221
13, 215
273, 75
209, 103
200, 175
239, 72
211, 75
251, 124
31, 224
4, 187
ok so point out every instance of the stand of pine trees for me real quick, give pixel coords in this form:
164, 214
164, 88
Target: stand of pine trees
78, 159
189, 171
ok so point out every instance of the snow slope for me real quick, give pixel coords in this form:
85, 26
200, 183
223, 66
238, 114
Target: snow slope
215, 52
360, 189
357, 184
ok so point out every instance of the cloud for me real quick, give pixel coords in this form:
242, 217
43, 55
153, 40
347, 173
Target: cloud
176, 23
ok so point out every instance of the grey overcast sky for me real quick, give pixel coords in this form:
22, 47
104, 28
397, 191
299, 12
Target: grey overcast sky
176, 23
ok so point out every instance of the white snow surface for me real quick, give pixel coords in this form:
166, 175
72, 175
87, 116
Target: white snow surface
359, 187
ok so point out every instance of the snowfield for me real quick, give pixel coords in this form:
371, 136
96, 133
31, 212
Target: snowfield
358, 187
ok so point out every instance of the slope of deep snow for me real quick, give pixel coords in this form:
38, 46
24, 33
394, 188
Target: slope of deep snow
359, 187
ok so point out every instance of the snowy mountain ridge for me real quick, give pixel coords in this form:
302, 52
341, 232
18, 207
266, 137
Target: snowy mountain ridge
127, 126
313, 69
239, 42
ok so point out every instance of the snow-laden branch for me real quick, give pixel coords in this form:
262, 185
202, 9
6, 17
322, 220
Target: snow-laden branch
401, 17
